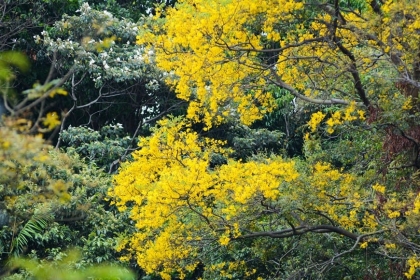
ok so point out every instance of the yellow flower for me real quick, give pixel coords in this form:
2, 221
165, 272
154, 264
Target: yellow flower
407, 104
224, 240
361, 114
379, 188
330, 130
413, 263
390, 246
315, 120
58, 91
364, 245
51, 120
393, 214
5, 145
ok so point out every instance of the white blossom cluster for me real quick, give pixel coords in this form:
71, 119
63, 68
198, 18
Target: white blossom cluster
152, 85
84, 9
102, 45
116, 126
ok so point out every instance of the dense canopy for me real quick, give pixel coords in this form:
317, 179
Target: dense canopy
228, 139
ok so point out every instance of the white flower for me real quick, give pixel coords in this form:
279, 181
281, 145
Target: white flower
37, 39
84, 8
91, 62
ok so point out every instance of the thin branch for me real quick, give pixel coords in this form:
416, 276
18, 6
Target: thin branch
64, 117
6, 105
357, 241
92, 102
277, 81
200, 215
52, 68
39, 117
21, 107
353, 67
301, 230
239, 49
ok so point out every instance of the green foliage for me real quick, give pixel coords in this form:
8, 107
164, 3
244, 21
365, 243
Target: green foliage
37, 224
101, 147
348, 208
114, 79
289, 116
98, 42
11, 59
65, 269
53, 201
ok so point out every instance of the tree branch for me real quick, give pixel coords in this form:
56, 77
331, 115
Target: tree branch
302, 230
21, 107
277, 81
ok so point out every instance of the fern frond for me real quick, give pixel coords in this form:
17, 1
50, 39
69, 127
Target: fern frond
36, 225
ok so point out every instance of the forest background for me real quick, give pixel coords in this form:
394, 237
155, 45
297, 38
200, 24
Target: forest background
210, 139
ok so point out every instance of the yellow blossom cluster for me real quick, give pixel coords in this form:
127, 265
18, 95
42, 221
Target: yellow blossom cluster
406, 27
315, 120
408, 104
51, 120
178, 200
350, 114
416, 209
214, 53
336, 194
180, 203
364, 245
339, 117
222, 57
413, 263
201, 46
379, 188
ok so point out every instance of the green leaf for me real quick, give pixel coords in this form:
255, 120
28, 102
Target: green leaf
36, 225
10, 59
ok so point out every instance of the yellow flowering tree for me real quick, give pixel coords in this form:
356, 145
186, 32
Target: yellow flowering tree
321, 53
184, 205
181, 205
355, 189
